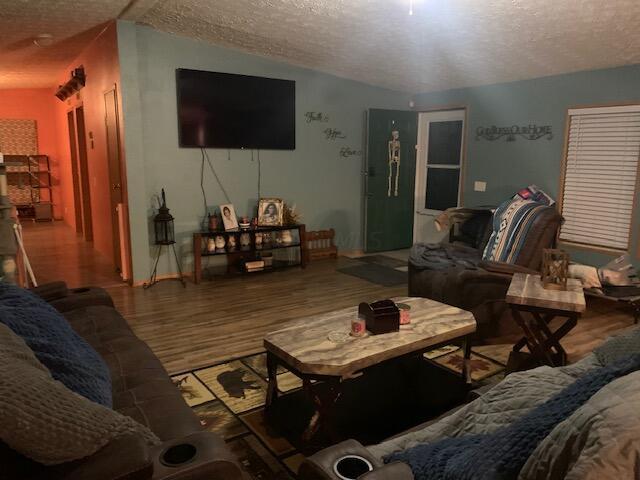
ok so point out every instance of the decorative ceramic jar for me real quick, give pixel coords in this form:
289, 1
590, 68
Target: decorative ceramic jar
231, 243
220, 243
245, 239
211, 245
259, 240
244, 223
286, 237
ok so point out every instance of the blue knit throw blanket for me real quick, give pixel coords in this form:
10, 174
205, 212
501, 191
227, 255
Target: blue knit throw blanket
502, 454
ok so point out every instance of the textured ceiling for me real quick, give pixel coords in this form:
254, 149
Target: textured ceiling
445, 44
73, 23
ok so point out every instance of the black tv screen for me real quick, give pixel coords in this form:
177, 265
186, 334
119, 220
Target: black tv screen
223, 110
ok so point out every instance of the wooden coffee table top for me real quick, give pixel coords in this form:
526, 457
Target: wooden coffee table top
304, 344
528, 290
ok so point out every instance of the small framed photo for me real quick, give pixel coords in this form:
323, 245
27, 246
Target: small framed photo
270, 212
229, 218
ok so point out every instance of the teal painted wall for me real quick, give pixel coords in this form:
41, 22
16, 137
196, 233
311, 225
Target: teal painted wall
508, 166
326, 188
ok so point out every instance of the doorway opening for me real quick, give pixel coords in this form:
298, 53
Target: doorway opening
439, 169
80, 172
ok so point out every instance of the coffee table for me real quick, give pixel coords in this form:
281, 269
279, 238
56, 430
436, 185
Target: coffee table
527, 295
304, 348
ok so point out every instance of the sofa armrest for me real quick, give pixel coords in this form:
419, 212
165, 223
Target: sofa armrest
124, 458
505, 268
202, 455
51, 291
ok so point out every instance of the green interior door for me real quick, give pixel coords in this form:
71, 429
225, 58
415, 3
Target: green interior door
389, 216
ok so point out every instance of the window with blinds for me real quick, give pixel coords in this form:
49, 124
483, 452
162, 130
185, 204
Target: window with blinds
600, 176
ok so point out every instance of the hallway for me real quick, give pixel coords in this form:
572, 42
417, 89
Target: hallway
56, 252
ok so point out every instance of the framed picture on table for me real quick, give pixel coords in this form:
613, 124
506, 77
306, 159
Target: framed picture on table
270, 212
229, 218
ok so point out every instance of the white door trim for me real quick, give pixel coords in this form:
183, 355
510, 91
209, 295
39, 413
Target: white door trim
424, 118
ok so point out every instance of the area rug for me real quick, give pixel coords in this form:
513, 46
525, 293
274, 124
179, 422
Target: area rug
378, 269
229, 399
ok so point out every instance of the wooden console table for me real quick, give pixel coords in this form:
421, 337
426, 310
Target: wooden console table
250, 252
527, 295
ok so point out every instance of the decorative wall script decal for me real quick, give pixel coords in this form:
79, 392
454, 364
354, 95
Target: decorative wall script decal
333, 134
346, 152
316, 117
528, 132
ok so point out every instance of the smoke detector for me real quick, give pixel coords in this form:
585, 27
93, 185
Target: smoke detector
43, 40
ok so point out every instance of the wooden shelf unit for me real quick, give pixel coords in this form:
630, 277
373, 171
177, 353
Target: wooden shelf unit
236, 257
32, 172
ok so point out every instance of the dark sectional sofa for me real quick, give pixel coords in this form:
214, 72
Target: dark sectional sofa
142, 390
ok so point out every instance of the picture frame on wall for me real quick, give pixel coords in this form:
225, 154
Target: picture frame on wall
229, 218
270, 212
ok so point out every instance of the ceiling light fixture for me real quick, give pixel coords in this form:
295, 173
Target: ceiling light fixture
43, 40
410, 7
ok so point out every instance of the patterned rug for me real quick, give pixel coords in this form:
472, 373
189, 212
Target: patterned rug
229, 400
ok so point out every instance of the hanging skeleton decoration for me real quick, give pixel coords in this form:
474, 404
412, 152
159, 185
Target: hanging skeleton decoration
394, 159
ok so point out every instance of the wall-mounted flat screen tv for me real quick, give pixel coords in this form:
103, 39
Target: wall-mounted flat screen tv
223, 110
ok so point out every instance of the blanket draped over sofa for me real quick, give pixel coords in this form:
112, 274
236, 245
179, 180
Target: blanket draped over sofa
512, 222
502, 453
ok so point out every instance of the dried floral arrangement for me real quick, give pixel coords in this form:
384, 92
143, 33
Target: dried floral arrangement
290, 216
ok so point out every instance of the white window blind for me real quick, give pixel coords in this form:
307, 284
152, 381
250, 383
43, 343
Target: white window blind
600, 175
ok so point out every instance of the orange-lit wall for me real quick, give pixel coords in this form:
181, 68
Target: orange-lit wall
38, 104
101, 65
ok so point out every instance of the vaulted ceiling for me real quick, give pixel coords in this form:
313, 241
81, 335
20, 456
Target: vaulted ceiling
444, 44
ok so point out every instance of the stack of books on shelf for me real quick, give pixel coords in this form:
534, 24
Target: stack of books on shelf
254, 266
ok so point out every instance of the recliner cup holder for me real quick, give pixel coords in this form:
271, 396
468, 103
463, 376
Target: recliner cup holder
350, 467
177, 455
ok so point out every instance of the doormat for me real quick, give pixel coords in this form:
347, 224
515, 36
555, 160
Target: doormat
377, 273
229, 399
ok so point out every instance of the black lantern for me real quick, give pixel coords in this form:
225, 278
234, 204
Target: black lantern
163, 223
165, 236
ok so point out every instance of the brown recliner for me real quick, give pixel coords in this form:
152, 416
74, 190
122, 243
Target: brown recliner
468, 282
142, 390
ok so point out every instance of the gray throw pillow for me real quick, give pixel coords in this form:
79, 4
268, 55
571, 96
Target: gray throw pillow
44, 420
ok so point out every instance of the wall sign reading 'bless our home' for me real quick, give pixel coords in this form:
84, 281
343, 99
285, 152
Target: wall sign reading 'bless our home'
528, 132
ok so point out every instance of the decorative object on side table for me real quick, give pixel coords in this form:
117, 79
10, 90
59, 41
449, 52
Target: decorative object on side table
164, 236
286, 238
290, 216
211, 245
231, 243
380, 317
270, 212
214, 222
220, 242
229, 218
245, 240
555, 269
244, 223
